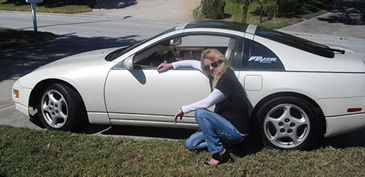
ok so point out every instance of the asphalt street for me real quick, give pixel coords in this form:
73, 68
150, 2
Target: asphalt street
112, 24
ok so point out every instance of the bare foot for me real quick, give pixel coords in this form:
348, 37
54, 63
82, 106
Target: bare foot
213, 162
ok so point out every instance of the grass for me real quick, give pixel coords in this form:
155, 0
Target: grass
25, 152
50, 6
14, 37
282, 20
305, 10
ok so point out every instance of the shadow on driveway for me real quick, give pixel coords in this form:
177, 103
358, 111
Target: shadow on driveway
113, 4
18, 61
347, 12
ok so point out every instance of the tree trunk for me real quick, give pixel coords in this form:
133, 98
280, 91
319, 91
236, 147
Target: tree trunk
245, 5
261, 9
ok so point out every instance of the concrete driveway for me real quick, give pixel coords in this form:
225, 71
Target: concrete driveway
346, 21
172, 11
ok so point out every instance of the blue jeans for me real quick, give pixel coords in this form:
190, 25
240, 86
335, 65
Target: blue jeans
196, 141
214, 131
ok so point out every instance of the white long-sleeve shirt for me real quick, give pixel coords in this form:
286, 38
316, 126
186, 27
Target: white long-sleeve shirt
213, 98
187, 63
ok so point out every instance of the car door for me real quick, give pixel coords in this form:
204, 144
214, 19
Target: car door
145, 95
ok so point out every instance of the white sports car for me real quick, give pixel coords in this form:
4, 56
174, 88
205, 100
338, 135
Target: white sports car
299, 90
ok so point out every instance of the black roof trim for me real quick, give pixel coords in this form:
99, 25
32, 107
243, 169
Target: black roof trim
242, 27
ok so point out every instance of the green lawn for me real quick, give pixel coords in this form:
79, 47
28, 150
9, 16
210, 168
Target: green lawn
50, 6
25, 152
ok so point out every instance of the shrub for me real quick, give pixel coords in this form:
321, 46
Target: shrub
213, 9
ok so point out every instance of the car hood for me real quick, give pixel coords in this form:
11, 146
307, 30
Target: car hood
72, 68
86, 58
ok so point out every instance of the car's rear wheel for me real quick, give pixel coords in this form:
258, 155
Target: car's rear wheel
288, 123
61, 108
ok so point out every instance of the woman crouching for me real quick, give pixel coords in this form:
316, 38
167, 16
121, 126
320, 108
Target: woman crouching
228, 124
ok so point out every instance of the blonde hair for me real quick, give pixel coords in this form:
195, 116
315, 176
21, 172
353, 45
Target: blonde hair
216, 56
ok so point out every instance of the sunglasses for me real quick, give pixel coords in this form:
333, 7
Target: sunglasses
207, 67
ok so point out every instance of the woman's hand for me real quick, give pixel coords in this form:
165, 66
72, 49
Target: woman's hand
180, 114
164, 67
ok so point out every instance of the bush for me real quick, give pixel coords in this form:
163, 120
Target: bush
213, 9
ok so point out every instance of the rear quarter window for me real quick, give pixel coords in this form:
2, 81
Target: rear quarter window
259, 57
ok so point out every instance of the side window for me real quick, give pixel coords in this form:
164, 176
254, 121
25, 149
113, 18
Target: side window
155, 55
259, 57
183, 48
192, 45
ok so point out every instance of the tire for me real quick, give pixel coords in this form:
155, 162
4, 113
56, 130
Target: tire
288, 123
61, 108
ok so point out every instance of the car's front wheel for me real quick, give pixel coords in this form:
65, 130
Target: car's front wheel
61, 108
288, 123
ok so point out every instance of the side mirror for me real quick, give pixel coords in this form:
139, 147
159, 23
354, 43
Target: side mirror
175, 42
128, 63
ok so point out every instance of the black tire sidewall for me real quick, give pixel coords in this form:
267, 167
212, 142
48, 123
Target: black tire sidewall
76, 109
305, 106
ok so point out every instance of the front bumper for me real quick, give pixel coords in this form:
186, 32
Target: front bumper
22, 109
22, 98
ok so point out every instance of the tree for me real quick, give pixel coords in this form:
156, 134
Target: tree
274, 7
213, 9
240, 9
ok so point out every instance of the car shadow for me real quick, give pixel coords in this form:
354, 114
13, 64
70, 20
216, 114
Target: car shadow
250, 145
137, 131
353, 139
